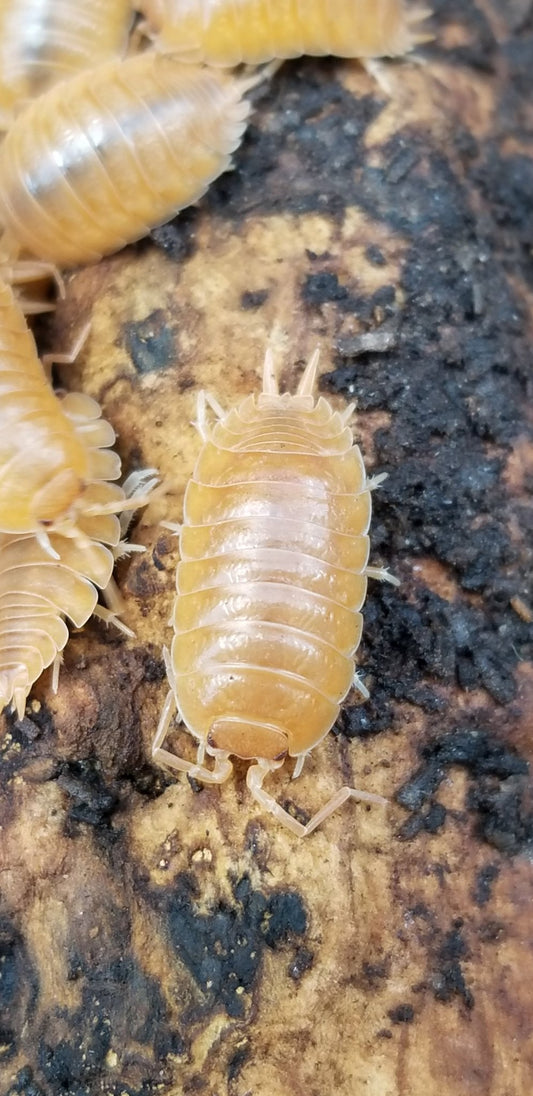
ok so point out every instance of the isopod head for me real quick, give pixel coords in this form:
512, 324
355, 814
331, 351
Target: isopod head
247, 740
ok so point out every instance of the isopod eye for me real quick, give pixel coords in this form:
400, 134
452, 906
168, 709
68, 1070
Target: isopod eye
54, 499
247, 739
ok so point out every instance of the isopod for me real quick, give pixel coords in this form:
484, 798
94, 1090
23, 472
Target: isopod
43, 41
98, 160
272, 578
52, 451
228, 32
40, 586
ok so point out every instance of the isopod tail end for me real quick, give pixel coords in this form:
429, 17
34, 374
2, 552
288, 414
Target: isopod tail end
19, 701
307, 383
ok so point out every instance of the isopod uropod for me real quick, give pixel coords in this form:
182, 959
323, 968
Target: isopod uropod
98, 160
43, 41
228, 32
273, 574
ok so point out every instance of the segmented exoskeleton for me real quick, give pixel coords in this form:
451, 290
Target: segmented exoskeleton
41, 585
273, 574
101, 158
59, 530
43, 41
55, 459
228, 32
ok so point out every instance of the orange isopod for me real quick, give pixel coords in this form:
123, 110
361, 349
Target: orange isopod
272, 578
41, 585
98, 160
53, 452
228, 32
43, 41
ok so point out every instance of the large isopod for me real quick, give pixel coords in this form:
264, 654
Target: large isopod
101, 158
272, 578
228, 32
43, 41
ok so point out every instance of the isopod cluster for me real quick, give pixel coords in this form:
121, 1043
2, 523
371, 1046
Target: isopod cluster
59, 529
107, 136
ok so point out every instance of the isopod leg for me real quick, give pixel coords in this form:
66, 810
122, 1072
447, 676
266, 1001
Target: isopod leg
141, 481
254, 779
299, 766
56, 666
375, 481
110, 617
20, 271
378, 71
170, 675
68, 356
140, 486
337, 801
175, 527
222, 770
165, 719
358, 684
256, 775
382, 574
122, 506
217, 775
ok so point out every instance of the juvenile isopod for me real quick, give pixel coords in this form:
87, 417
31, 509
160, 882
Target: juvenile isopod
43, 41
228, 32
98, 160
272, 578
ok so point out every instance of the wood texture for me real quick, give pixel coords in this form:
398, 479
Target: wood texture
158, 937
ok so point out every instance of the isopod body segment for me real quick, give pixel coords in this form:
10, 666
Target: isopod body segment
37, 591
43, 41
54, 453
42, 583
273, 574
228, 32
97, 161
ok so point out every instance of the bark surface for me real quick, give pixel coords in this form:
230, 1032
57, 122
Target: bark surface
158, 937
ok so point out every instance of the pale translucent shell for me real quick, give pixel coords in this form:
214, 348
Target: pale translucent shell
43, 41
36, 593
51, 449
273, 549
99, 160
